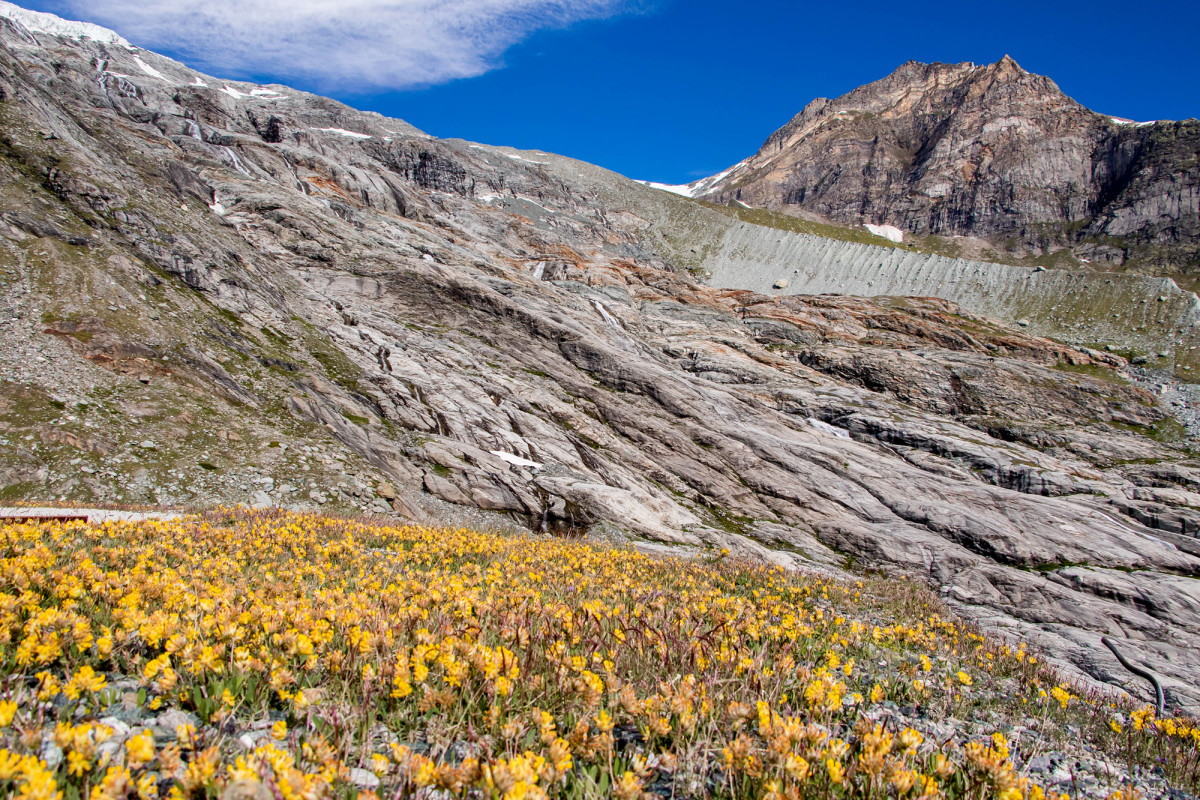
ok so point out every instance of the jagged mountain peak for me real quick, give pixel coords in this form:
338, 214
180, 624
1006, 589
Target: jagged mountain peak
1008, 63
991, 152
918, 87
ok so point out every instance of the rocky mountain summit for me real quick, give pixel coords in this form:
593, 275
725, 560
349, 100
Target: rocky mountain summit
218, 292
990, 152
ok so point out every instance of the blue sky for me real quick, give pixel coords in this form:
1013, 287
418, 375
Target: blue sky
665, 90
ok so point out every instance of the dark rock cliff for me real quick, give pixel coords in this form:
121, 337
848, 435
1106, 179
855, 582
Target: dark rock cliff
992, 152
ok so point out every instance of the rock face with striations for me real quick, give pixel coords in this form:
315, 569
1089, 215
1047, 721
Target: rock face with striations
297, 303
992, 152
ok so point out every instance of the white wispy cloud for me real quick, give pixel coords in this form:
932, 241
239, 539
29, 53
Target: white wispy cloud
345, 44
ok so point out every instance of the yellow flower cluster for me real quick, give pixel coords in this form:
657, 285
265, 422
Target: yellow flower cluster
1181, 728
1063, 695
34, 780
319, 654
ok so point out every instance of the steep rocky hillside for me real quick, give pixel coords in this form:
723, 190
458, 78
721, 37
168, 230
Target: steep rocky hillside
991, 152
219, 292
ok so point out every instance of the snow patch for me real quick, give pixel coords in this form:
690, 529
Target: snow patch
516, 460
149, 70
889, 232
255, 94
40, 22
198, 82
695, 188
346, 133
499, 152
743, 205
1123, 121
217, 209
519, 158
684, 190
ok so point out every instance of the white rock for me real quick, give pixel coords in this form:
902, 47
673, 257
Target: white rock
120, 729
52, 754
363, 778
175, 717
107, 751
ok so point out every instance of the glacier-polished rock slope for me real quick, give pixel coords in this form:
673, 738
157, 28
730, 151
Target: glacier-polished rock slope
213, 291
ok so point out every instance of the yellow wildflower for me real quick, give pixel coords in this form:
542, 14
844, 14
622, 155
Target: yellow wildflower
8, 710
139, 749
628, 787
